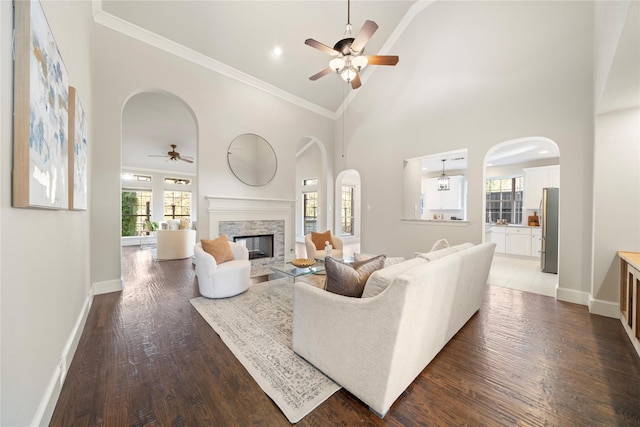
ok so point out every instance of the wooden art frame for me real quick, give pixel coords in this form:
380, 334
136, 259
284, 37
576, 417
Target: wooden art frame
78, 159
41, 113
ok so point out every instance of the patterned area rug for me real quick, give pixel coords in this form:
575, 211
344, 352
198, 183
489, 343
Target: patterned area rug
257, 328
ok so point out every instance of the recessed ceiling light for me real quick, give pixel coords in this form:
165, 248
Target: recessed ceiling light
277, 51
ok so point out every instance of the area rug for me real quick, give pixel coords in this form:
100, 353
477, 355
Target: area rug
257, 328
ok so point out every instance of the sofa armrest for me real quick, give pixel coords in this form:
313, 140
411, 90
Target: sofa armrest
352, 340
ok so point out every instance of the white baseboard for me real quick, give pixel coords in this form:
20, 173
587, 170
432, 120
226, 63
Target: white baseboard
99, 288
571, 295
604, 308
47, 405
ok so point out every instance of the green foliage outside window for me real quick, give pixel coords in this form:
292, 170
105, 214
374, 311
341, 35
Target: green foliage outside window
129, 207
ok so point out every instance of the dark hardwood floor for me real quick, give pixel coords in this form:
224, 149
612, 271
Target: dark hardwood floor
147, 357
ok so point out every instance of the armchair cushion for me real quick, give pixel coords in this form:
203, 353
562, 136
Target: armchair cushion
319, 239
219, 248
349, 279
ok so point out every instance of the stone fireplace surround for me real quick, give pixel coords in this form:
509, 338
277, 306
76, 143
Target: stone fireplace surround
236, 216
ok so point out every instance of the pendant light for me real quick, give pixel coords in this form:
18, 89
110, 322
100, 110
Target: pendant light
443, 181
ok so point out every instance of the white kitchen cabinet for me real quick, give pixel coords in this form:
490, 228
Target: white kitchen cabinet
444, 200
536, 241
498, 237
518, 241
535, 179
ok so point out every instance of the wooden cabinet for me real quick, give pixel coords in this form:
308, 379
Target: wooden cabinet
444, 200
498, 237
536, 241
518, 241
630, 295
535, 179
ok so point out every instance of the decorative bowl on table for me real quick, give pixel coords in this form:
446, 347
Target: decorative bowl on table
303, 262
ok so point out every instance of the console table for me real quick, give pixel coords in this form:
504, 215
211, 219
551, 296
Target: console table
630, 295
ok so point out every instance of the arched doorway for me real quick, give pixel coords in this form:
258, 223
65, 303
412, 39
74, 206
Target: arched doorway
515, 173
156, 184
348, 210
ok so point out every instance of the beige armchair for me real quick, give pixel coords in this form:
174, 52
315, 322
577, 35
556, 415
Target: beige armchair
314, 253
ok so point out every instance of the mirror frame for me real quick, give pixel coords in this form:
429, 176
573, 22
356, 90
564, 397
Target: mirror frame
240, 175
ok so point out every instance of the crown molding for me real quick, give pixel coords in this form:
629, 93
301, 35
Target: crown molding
124, 27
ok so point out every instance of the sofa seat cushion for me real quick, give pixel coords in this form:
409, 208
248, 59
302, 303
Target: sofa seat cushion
381, 279
349, 279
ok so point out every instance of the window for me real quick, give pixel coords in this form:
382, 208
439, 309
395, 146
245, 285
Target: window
504, 199
136, 211
310, 181
346, 214
177, 204
179, 181
310, 208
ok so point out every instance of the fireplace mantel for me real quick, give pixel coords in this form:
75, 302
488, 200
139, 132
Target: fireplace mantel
229, 208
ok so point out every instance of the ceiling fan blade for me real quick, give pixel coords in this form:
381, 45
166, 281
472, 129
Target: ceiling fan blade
383, 59
364, 35
185, 160
321, 74
356, 83
323, 47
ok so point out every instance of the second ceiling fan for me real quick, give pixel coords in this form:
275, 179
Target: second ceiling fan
348, 53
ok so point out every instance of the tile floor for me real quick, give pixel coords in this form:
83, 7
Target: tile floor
523, 274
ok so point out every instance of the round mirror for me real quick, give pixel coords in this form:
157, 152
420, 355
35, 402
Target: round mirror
252, 159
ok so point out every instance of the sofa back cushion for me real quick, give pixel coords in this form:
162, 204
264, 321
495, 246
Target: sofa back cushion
381, 279
389, 261
349, 279
432, 256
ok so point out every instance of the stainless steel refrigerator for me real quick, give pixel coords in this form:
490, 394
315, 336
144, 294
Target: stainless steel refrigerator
549, 209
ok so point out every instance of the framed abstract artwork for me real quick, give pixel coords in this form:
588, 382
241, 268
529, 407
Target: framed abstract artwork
41, 113
77, 153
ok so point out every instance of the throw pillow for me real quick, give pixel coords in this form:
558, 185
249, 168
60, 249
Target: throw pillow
320, 239
185, 223
218, 248
349, 279
440, 244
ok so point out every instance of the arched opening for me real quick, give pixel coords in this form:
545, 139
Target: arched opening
159, 167
348, 210
523, 225
314, 191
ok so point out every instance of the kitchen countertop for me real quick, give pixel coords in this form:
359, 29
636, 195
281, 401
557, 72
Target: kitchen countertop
512, 225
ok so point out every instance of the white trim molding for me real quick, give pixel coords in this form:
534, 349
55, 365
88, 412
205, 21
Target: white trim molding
571, 295
604, 308
99, 288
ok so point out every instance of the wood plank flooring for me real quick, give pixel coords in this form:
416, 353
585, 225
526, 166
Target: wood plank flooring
147, 357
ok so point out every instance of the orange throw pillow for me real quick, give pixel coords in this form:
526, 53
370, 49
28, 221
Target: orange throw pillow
320, 239
218, 248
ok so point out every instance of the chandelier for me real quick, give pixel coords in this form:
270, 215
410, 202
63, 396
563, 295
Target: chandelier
443, 181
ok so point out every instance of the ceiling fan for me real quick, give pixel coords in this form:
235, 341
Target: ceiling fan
348, 53
174, 156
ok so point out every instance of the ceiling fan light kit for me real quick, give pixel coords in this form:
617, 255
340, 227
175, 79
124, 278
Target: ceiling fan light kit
173, 156
348, 59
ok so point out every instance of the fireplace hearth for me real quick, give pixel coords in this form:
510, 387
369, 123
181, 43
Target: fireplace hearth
259, 246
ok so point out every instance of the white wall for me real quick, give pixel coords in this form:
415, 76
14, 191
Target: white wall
482, 73
223, 108
45, 280
309, 165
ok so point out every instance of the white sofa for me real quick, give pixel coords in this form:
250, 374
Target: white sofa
223, 280
376, 346
313, 253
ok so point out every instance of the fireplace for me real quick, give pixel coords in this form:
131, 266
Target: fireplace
259, 246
